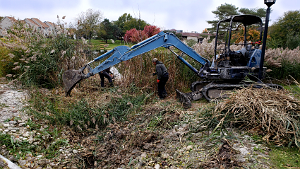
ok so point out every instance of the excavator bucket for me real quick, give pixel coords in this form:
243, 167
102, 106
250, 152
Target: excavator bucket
184, 98
187, 98
70, 79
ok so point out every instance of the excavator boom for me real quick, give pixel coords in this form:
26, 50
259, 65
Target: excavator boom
123, 53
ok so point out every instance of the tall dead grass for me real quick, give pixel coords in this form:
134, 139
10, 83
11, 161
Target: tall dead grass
275, 57
139, 71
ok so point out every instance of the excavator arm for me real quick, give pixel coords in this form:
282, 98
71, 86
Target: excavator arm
123, 53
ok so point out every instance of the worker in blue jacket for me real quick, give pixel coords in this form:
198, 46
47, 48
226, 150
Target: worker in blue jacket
162, 77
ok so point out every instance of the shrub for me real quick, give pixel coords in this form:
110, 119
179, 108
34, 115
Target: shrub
135, 36
4, 60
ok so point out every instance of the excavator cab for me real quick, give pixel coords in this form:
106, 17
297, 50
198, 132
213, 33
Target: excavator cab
237, 55
237, 39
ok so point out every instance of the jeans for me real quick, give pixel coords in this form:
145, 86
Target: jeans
105, 74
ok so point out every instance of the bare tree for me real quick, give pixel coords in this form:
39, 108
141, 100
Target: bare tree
87, 23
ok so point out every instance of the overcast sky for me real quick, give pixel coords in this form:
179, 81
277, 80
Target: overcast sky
186, 15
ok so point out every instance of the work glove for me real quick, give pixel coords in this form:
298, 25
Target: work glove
157, 81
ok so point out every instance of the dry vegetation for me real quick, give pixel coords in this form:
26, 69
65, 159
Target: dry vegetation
274, 114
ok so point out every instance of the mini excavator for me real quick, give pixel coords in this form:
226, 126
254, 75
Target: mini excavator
225, 73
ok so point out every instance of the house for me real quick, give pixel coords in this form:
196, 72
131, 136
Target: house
176, 31
6, 23
47, 28
44, 27
51, 26
36, 24
198, 37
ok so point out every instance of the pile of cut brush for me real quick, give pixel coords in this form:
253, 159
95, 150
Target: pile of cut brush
274, 114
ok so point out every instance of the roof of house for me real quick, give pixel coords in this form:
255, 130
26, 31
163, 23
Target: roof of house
12, 19
31, 21
42, 24
49, 23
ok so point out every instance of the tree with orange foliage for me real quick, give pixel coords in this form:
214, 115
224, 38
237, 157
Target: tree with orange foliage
253, 34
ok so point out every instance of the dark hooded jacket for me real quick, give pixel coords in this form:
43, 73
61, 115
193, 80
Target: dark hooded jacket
161, 70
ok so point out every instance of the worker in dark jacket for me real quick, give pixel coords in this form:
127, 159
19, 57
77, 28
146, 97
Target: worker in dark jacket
106, 73
162, 78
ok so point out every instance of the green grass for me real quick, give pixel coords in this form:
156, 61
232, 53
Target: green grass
99, 44
293, 89
285, 157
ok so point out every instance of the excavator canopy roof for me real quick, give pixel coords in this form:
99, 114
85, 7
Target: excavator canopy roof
245, 19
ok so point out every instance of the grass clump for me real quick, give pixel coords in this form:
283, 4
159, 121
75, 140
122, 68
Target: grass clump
18, 148
273, 114
85, 114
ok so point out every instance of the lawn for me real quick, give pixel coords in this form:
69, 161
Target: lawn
102, 45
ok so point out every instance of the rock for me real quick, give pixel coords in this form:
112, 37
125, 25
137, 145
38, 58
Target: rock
240, 158
22, 124
39, 156
26, 134
30, 140
12, 122
157, 166
165, 155
14, 128
75, 151
13, 159
6, 125
53, 164
143, 155
243, 151
190, 147
22, 162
